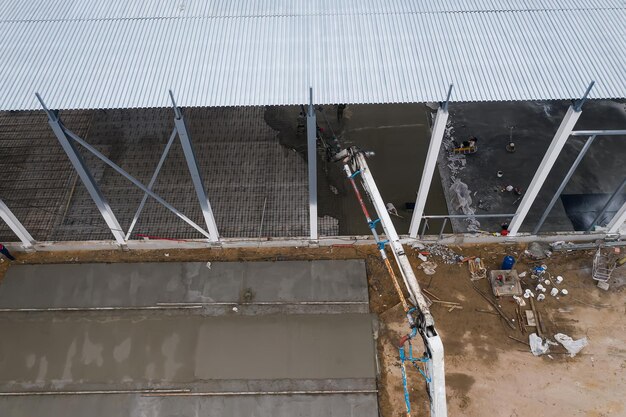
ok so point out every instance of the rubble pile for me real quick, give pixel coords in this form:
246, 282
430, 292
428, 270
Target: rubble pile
446, 254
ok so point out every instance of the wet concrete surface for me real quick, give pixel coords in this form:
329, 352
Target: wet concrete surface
534, 126
76, 351
346, 405
285, 348
148, 284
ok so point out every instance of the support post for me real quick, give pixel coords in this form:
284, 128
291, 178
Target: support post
311, 138
618, 220
608, 204
558, 192
196, 178
84, 174
559, 140
16, 226
436, 138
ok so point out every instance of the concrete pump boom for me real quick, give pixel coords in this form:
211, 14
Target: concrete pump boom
355, 164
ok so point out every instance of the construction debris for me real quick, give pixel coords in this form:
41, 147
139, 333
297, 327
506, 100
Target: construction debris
537, 345
572, 346
495, 306
446, 254
538, 251
477, 269
428, 267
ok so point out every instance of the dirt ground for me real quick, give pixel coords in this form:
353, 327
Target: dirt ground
487, 373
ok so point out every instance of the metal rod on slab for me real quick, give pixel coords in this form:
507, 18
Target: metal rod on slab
244, 393
266, 303
68, 309
156, 391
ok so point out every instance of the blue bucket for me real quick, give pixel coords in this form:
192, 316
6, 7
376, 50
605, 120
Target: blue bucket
508, 262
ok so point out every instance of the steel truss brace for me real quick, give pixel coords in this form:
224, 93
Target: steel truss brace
16, 226
64, 135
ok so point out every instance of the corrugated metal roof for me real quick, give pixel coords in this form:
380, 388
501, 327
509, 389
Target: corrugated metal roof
147, 9
98, 54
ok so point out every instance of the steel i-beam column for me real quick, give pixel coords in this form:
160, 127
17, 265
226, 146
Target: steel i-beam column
558, 192
559, 140
436, 137
85, 175
16, 226
311, 138
196, 178
192, 164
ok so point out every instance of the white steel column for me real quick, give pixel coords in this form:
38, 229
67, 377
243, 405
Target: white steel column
311, 138
15, 225
559, 140
85, 175
436, 137
196, 178
618, 220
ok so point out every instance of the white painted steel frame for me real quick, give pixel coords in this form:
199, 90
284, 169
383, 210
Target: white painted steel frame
196, 178
568, 176
436, 138
618, 220
311, 139
64, 135
144, 199
550, 157
16, 226
85, 175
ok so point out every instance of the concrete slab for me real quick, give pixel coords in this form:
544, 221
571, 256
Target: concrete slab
70, 352
147, 284
344, 405
226, 361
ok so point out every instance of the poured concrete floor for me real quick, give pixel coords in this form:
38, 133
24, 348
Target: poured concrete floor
293, 326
